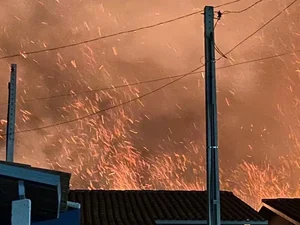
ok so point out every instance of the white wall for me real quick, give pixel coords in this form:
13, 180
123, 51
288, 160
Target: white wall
21, 212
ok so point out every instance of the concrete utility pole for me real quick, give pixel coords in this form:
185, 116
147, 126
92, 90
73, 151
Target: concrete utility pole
212, 169
10, 128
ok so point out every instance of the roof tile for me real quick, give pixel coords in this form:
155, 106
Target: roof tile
144, 207
288, 206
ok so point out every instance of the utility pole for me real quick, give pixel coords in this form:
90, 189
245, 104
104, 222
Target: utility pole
212, 164
11, 114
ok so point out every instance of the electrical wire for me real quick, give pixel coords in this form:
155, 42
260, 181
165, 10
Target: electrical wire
74, 94
243, 10
259, 59
260, 28
157, 89
102, 37
256, 31
113, 34
111, 107
220, 52
228, 3
179, 77
136, 83
220, 14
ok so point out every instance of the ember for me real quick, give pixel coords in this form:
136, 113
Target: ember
156, 142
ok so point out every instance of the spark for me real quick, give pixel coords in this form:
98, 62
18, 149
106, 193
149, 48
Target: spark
23, 55
117, 149
115, 51
227, 102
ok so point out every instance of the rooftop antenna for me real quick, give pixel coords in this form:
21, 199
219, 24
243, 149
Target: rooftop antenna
11, 114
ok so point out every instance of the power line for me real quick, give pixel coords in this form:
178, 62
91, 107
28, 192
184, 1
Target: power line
103, 37
152, 80
136, 83
179, 77
220, 52
243, 10
129, 31
257, 30
160, 79
111, 107
259, 59
113, 34
153, 91
260, 28
228, 3
100, 89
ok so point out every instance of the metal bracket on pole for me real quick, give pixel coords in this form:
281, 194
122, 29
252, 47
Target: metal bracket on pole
10, 130
212, 166
21, 189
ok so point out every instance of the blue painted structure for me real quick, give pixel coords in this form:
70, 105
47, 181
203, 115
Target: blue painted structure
70, 217
27, 174
204, 222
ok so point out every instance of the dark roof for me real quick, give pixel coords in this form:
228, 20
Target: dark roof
288, 206
144, 207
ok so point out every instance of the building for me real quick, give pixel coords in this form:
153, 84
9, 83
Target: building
35, 196
103, 207
281, 211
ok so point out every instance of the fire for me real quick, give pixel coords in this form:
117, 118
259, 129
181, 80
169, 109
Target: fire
156, 142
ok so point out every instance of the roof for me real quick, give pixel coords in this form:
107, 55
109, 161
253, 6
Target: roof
144, 207
287, 208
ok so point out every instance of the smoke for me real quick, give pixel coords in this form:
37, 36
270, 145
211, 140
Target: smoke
257, 101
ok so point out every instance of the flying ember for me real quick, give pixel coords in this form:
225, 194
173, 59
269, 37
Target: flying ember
98, 96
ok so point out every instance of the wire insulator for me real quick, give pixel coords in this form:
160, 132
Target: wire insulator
219, 14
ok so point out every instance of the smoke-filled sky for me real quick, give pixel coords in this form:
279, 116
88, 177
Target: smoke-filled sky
157, 142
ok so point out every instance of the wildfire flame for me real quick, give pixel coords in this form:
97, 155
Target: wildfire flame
157, 142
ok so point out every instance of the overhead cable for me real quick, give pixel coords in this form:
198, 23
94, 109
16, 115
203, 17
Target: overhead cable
26, 53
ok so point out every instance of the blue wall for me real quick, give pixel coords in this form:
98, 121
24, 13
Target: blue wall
71, 217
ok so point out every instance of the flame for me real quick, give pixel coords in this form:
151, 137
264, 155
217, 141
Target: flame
154, 143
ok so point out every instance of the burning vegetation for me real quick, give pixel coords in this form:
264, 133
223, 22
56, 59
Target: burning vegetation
156, 142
